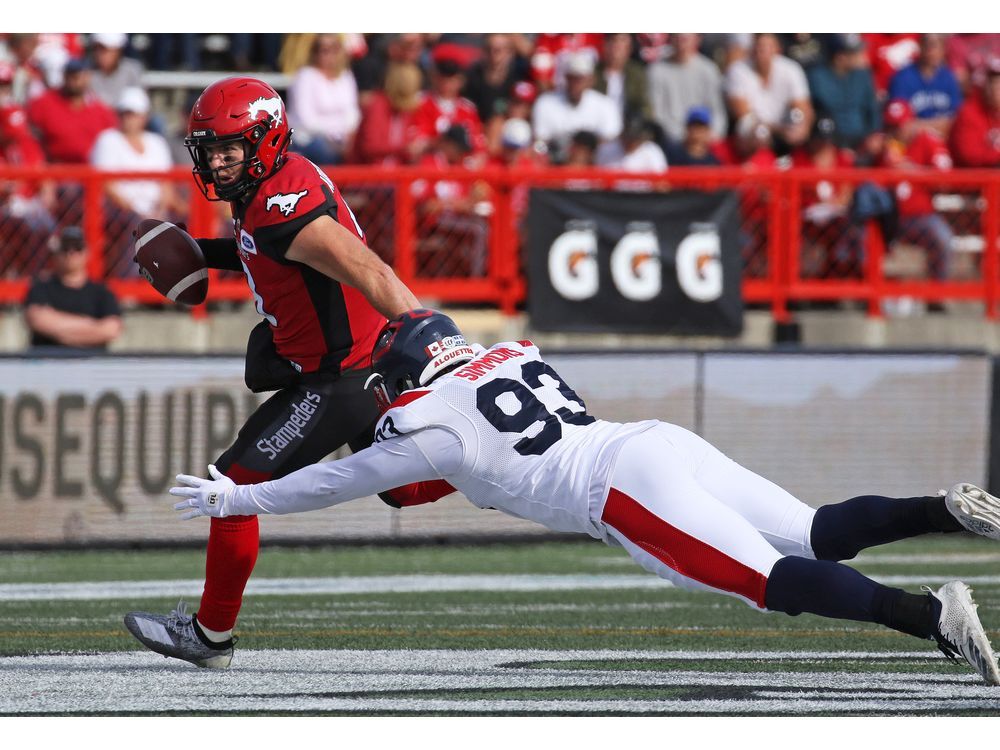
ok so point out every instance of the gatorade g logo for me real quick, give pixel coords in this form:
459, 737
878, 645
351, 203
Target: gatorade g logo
573, 262
699, 263
635, 263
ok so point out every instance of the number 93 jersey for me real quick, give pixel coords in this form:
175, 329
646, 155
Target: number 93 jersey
528, 446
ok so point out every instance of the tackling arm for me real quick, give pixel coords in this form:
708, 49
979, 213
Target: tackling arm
383, 466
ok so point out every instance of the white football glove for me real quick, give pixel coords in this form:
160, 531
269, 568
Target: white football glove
205, 497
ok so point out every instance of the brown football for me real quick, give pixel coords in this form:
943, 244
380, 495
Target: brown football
170, 260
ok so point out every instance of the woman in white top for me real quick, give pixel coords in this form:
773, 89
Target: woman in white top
130, 147
323, 103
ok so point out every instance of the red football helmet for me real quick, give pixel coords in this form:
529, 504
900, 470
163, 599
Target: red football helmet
238, 109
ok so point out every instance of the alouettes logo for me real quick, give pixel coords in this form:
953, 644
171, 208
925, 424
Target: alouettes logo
448, 342
285, 202
269, 106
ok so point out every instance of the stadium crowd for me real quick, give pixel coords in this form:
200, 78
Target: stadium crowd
634, 102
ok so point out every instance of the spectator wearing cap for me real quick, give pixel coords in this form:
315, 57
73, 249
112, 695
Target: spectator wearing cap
323, 103
68, 119
832, 241
517, 152
444, 106
65, 308
454, 209
622, 78
634, 150
975, 137
696, 148
843, 90
551, 53
908, 146
559, 114
388, 118
774, 89
112, 72
688, 79
130, 147
930, 86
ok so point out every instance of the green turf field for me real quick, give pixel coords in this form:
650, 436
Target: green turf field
548, 628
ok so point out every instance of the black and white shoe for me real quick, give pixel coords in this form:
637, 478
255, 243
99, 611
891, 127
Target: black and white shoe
976, 509
177, 635
960, 633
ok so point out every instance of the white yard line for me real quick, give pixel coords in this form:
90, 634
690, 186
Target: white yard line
419, 682
95, 590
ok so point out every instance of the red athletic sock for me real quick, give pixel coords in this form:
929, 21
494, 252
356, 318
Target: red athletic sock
232, 552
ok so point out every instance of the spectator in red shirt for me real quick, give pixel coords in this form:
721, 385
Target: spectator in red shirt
749, 147
443, 107
975, 136
453, 212
70, 118
825, 204
25, 206
388, 118
910, 147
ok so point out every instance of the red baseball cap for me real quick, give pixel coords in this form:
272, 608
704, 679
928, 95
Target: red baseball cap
898, 112
525, 91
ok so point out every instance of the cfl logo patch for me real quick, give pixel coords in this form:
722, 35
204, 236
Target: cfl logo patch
448, 342
213, 498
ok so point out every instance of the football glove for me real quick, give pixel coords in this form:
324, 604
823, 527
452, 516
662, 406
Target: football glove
205, 497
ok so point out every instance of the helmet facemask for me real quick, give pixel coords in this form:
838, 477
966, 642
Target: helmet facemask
254, 171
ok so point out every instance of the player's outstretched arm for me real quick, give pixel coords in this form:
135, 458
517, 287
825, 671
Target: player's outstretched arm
331, 249
382, 466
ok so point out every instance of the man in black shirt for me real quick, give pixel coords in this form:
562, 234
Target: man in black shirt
66, 308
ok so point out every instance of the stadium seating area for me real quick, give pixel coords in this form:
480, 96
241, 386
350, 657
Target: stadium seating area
871, 140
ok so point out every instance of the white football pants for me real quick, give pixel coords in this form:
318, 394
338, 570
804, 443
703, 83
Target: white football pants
687, 512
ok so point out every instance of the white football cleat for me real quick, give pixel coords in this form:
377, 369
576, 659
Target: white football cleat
175, 635
976, 509
959, 631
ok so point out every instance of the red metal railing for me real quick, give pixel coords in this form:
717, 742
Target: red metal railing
787, 257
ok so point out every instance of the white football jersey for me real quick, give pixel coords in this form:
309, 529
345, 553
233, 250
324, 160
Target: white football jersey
528, 446
503, 429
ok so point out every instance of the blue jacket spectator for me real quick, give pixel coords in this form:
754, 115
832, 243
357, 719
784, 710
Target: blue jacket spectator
844, 91
929, 85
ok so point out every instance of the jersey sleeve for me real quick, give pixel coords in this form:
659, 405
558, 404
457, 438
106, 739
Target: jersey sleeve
380, 467
299, 194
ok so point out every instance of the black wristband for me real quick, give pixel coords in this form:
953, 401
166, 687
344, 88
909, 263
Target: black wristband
221, 254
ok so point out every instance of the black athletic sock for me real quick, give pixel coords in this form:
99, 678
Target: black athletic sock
841, 530
830, 589
220, 646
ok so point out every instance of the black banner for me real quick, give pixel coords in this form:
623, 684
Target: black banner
642, 262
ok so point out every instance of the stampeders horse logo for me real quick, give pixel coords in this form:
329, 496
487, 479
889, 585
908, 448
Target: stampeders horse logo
285, 202
270, 106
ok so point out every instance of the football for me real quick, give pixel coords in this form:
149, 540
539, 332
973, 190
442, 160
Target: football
170, 260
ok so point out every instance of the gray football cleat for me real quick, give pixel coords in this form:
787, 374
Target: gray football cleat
976, 509
176, 635
959, 631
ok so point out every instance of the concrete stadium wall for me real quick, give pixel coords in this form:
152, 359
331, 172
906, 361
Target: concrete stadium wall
88, 447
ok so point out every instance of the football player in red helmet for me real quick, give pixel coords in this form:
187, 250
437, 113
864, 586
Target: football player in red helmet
323, 296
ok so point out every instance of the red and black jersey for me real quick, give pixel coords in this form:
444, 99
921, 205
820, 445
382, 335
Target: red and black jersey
317, 323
